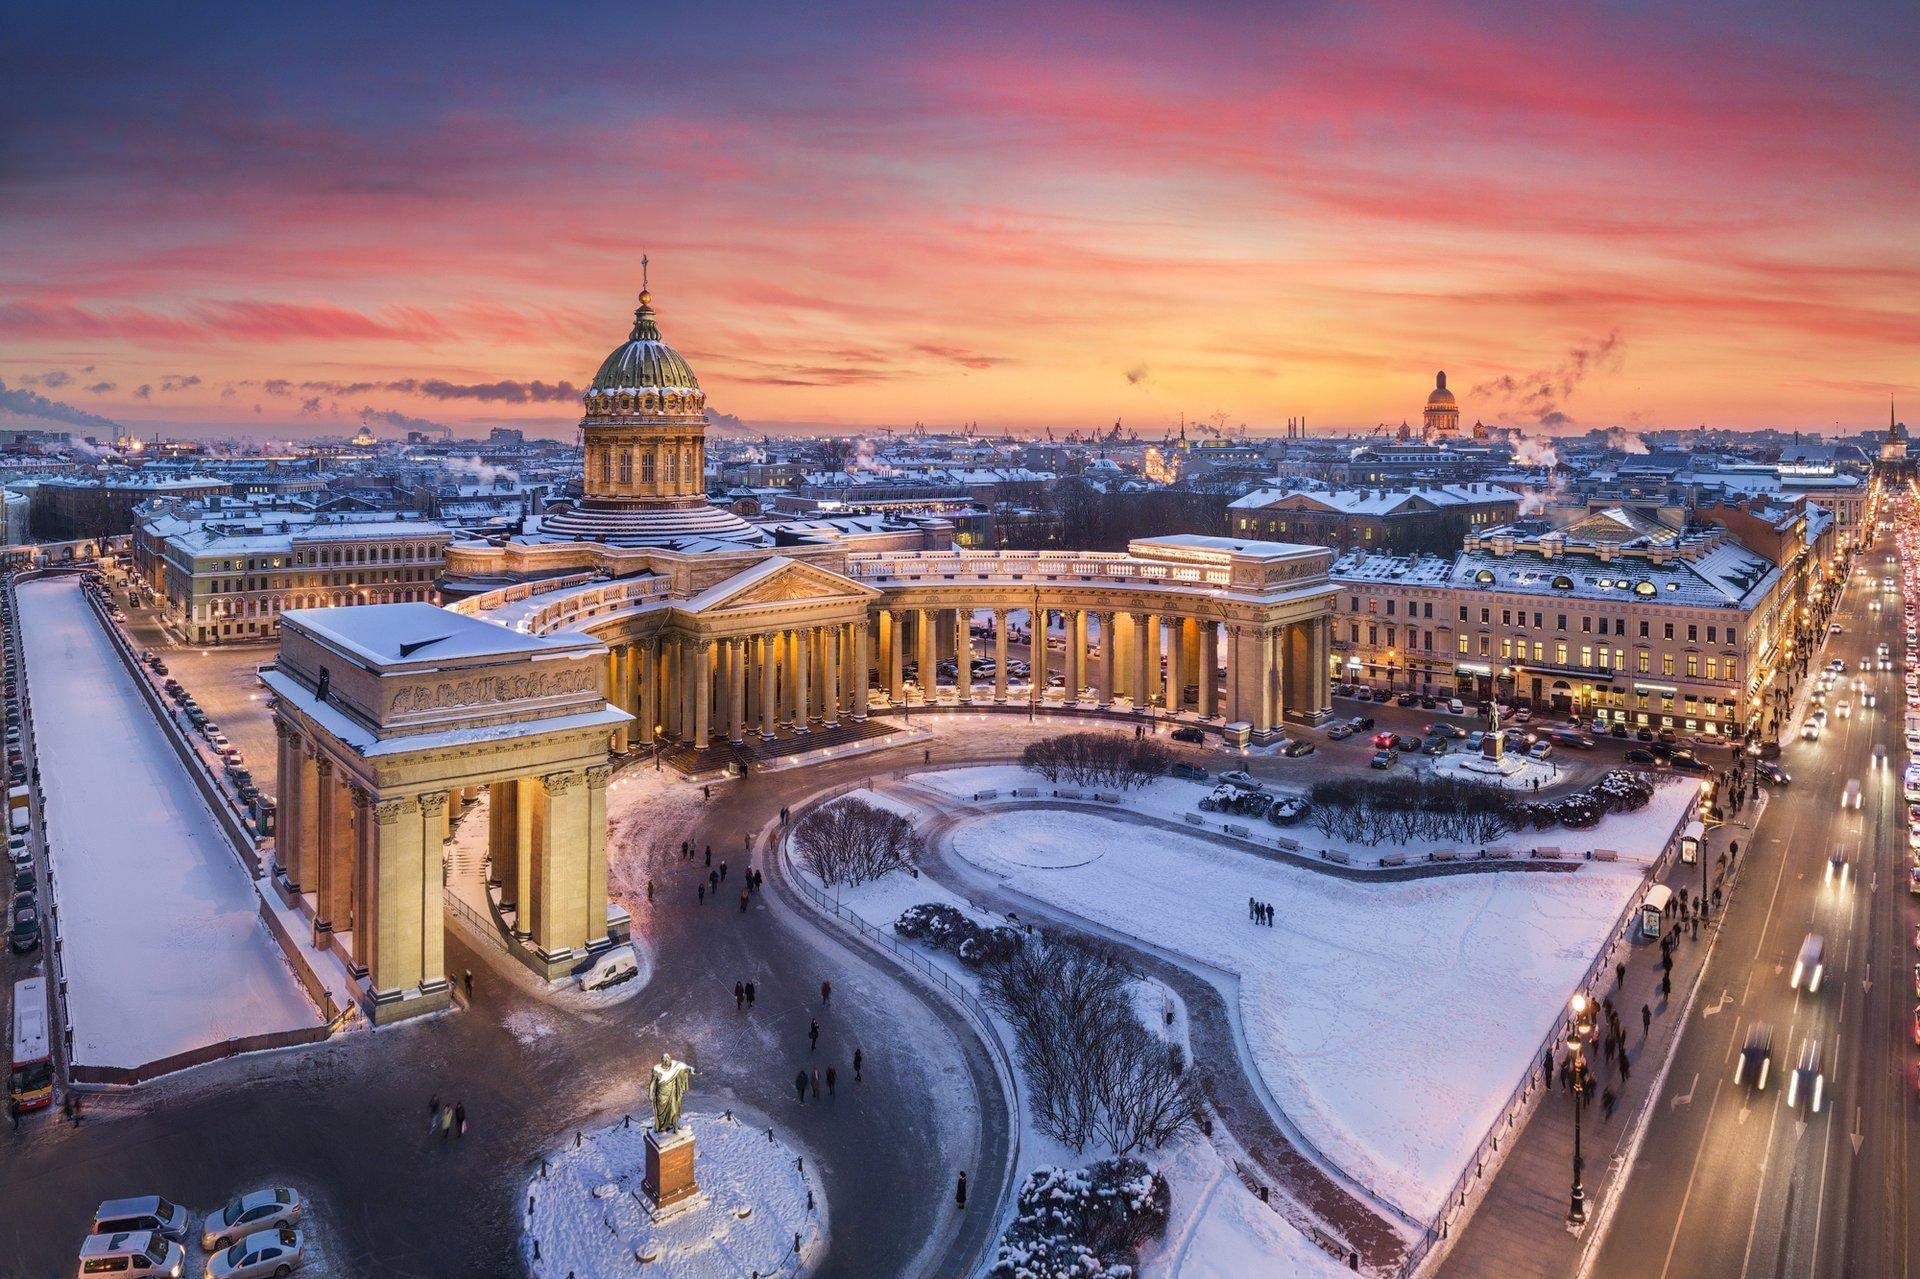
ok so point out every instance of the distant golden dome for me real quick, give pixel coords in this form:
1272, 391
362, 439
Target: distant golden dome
1441, 397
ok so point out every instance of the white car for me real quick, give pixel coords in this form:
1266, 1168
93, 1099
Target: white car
1810, 731
269, 1252
250, 1213
1843, 709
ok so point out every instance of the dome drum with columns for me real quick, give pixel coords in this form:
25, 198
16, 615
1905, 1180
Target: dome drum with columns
1442, 416
645, 428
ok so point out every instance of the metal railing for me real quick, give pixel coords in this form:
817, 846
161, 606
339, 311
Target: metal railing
964, 999
473, 919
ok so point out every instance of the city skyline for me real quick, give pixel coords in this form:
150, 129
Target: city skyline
1589, 219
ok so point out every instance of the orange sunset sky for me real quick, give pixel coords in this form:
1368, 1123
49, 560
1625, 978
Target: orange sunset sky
286, 220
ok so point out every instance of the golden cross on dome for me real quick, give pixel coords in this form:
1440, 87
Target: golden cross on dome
643, 273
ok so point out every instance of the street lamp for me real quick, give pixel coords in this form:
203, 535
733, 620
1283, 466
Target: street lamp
1580, 1030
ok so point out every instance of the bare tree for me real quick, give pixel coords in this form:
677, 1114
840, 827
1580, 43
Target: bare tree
851, 842
1097, 759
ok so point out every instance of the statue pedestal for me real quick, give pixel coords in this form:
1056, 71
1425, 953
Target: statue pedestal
668, 1180
1494, 745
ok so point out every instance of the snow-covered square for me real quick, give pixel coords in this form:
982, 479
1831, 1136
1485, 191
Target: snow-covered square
162, 941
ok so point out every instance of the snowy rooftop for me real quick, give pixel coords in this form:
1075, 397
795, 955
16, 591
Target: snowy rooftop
389, 634
1724, 576
1379, 501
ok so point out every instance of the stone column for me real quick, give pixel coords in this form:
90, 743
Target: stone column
929, 679
1297, 673
286, 785
737, 692
617, 694
529, 816
862, 665
1000, 656
595, 923
1320, 648
701, 676
890, 658
1176, 653
769, 685
1153, 646
1037, 649
558, 911
1108, 658
802, 679
330, 830
387, 940
963, 654
1076, 653
1267, 713
361, 921
1208, 665
830, 669
1140, 687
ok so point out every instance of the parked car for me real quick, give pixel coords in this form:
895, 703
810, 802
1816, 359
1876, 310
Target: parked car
1541, 750
1362, 723
1242, 778
1339, 730
141, 1212
1381, 759
1456, 706
254, 1211
270, 1252
1296, 749
1187, 733
131, 1254
1186, 771
1435, 745
1385, 740
1688, 762
24, 937
1452, 731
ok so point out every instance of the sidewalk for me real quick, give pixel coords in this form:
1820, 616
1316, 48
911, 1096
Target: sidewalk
1520, 1228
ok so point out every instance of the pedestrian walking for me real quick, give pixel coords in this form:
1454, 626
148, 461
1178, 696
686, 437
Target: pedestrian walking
816, 1083
467, 976
709, 854
960, 1193
813, 1035
749, 994
1666, 985
723, 872
706, 792
743, 901
433, 1110
713, 882
800, 1087
1253, 909
1625, 1070
826, 992
856, 1065
1606, 1102
649, 890
739, 996
1546, 1070
830, 1076
1620, 974
460, 1119
446, 1122
701, 889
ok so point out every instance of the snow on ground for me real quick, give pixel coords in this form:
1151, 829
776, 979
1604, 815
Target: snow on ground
164, 947
1389, 1020
1217, 1227
1172, 799
591, 1218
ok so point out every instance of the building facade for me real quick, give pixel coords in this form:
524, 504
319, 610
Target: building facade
1431, 518
1615, 618
225, 571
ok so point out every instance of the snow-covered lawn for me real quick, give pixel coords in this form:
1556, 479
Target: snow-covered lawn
1172, 799
591, 1218
1217, 1226
164, 947
1389, 1020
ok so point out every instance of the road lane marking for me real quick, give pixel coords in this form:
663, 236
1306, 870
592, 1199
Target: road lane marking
1688, 1099
1681, 1216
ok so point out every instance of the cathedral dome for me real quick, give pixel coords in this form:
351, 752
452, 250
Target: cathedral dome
645, 364
1441, 396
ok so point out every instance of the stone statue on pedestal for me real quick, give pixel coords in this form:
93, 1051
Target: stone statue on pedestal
1494, 742
669, 1090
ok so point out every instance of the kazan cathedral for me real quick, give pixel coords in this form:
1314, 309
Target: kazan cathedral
642, 617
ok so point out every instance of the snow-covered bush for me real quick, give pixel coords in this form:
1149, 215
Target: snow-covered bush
949, 929
851, 841
1083, 1223
1095, 1073
1097, 759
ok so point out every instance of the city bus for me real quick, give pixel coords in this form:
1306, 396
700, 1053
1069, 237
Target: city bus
30, 1076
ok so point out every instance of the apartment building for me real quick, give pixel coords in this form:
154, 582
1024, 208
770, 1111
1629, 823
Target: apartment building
1616, 617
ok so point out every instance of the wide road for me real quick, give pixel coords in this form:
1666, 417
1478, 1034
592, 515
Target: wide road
1737, 1182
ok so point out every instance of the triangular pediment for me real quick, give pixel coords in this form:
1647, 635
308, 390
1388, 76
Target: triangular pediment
779, 580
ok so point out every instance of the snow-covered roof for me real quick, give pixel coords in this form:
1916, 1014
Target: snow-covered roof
1726, 575
385, 634
1379, 501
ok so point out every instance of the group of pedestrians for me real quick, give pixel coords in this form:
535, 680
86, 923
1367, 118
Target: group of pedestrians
448, 1122
1260, 912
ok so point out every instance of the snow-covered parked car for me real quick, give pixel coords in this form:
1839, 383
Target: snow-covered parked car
609, 968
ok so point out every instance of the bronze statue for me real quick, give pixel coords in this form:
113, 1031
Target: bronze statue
669, 1090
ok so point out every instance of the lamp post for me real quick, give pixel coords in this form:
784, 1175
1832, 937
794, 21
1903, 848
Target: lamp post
1580, 1029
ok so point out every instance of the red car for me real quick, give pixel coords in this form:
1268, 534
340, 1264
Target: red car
1385, 741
